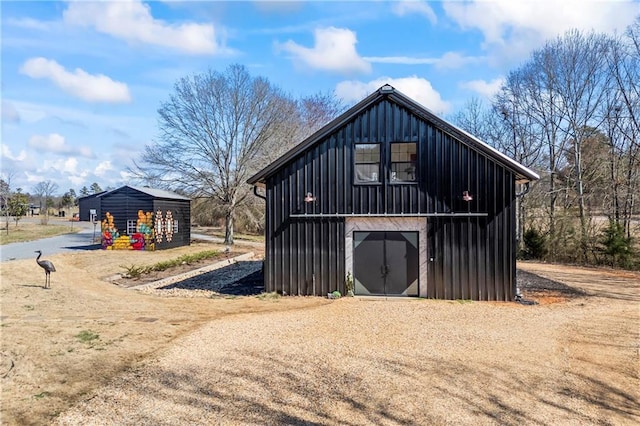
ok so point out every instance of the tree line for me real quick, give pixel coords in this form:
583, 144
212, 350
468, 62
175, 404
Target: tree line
16, 204
572, 113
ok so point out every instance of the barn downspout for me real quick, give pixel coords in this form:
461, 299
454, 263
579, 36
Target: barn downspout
525, 191
255, 192
519, 298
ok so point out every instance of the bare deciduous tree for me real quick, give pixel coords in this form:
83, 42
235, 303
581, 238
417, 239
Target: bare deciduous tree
622, 114
44, 191
316, 111
582, 83
474, 118
214, 132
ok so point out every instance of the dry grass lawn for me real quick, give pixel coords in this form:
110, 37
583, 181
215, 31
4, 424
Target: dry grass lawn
165, 361
29, 230
48, 360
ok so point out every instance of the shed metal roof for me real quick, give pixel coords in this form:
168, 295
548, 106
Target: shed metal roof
97, 194
523, 174
156, 193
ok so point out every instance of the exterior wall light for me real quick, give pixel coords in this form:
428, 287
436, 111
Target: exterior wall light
309, 198
466, 196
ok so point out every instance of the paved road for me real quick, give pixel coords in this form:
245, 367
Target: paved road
61, 244
77, 242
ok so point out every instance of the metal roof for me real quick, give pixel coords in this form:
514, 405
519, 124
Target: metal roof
97, 194
523, 174
156, 193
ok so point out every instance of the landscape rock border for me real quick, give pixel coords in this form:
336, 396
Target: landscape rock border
190, 274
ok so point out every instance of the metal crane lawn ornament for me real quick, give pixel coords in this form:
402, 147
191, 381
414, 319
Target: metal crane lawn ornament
48, 269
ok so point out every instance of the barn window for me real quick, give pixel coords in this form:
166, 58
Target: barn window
175, 226
404, 156
131, 227
367, 163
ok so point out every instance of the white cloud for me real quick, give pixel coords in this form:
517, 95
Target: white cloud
78, 180
35, 178
131, 20
63, 165
334, 50
81, 117
79, 83
529, 23
450, 60
419, 89
8, 154
29, 113
408, 7
126, 176
454, 60
484, 88
103, 168
30, 24
61, 169
70, 165
51, 143
56, 144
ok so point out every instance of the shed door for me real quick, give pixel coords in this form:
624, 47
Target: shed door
386, 263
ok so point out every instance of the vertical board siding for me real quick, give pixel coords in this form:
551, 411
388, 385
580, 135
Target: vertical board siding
473, 257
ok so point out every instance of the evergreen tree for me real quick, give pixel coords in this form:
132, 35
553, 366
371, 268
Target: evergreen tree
616, 246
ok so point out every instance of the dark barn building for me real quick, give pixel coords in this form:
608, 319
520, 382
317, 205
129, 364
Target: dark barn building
144, 219
88, 203
397, 199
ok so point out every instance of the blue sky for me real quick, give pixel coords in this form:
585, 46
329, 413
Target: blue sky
82, 81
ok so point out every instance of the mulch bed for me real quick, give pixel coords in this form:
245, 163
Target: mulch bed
249, 285
241, 278
544, 290
532, 286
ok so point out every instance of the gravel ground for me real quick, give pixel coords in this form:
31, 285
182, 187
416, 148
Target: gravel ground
244, 278
403, 362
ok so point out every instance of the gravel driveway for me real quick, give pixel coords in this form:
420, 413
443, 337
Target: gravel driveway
391, 362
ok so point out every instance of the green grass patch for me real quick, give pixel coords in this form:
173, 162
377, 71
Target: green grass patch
269, 296
86, 336
33, 231
41, 395
136, 271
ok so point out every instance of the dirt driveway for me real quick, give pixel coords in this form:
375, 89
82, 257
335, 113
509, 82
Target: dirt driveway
359, 361
130, 358
57, 346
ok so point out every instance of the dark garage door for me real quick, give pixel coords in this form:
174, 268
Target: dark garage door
386, 263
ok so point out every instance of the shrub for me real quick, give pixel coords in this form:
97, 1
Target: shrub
135, 271
86, 336
616, 246
535, 244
